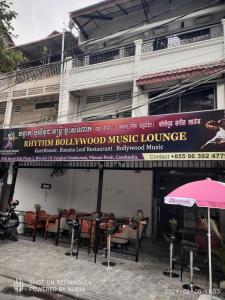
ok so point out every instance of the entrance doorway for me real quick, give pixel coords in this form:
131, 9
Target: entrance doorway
166, 181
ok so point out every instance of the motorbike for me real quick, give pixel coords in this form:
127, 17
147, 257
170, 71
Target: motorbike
9, 222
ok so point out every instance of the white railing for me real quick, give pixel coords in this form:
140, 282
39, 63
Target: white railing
182, 38
104, 56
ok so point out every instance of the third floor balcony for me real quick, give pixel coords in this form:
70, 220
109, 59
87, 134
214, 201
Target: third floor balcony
197, 46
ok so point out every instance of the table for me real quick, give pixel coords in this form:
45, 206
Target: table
95, 220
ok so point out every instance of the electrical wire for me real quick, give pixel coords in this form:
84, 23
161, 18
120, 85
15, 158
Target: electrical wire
159, 97
167, 22
124, 109
109, 104
128, 108
130, 28
60, 63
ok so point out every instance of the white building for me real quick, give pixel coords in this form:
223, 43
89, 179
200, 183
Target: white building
128, 52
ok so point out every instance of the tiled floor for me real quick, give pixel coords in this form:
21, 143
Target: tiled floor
45, 265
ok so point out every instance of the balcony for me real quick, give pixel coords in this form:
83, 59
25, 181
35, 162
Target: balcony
39, 81
104, 56
38, 110
183, 38
183, 49
38, 73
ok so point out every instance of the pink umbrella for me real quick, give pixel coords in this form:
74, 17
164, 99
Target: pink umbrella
204, 193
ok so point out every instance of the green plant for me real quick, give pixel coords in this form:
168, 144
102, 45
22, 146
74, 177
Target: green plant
173, 222
37, 207
9, 58
173, 225
60, 210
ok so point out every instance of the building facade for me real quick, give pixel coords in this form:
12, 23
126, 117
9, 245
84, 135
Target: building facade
133, 58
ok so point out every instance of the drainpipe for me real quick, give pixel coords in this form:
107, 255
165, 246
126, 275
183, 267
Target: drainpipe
13, 180
100, 185
61, 72
223, 24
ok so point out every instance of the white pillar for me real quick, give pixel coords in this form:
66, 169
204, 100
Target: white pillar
223, 23
139, 98
8, 114
64, 97
9, 105
220, 92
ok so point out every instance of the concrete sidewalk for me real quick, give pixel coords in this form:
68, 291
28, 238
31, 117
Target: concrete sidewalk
45, 265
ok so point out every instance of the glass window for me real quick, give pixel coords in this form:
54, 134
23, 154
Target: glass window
166, 106
199, 99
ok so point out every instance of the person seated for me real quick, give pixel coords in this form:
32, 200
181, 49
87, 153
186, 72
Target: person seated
139, 216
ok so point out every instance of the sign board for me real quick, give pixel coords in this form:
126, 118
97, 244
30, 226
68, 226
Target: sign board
186, 136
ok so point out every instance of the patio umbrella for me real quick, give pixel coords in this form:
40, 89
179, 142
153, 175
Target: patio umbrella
204, 193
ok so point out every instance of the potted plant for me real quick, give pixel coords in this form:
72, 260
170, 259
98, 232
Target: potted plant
37, 207
173, 225
60, 210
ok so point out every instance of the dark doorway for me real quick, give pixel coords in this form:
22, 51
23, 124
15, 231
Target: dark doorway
166, 181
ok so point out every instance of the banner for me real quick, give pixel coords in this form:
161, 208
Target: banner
186, 136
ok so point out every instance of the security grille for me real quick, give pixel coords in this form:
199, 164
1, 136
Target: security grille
117, 96
44, 105
17, 108
2, 108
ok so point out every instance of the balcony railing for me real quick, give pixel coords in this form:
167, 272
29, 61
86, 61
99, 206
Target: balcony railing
183, 38
100, 57
42, 72
29, 74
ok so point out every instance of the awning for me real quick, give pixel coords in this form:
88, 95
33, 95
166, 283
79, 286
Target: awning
183, 73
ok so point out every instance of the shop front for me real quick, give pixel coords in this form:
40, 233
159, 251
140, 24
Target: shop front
116, 166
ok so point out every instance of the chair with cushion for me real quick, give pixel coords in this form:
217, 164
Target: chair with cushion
170, 239
72, 212
87, 231
218, 264
143, 236
121, 237
65, 212
42, 217
53, 226
31, 223
191, 249
137, 233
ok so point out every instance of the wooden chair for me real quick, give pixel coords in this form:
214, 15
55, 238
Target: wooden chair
32, 223
137, 233
121, 237
56, 225
72, 212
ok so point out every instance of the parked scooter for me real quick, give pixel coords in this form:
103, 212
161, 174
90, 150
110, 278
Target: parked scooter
9, 222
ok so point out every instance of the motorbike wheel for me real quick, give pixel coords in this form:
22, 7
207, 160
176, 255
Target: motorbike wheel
13, 235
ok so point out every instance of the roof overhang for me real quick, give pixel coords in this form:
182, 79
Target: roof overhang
53, 43
89, 18
181, 74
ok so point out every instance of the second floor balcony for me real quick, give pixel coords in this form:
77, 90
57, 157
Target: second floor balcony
198, 46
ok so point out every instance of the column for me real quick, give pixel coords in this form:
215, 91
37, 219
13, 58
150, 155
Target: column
9, 105
64, 95
223, 24
140, 100
220, 92
8, 113
87, 60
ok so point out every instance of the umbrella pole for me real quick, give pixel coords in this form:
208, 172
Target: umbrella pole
210, 253
210, 295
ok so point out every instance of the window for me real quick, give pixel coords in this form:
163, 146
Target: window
43, 105
2, 108
199, 99
195, 36
117, 96
125, 114
17, 108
